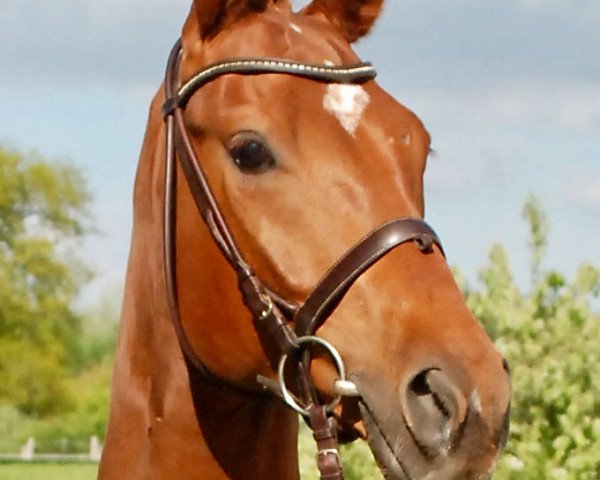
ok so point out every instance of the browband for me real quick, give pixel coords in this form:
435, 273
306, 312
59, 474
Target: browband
348, 74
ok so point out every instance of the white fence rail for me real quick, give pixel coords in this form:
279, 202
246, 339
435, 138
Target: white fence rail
28, 454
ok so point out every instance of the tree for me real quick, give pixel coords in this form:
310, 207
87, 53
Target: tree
42, 211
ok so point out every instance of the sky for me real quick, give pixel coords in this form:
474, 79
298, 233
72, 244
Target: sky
509, 91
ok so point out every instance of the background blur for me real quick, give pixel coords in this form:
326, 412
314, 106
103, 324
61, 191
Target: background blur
510, 92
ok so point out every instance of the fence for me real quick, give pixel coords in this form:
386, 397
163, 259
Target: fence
28, 454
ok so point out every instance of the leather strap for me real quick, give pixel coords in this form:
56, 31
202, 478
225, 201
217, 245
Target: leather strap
169, 228
357, 73
334, 285
324, 428
261, 302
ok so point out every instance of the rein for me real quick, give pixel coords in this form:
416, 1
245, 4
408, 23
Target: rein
272, 315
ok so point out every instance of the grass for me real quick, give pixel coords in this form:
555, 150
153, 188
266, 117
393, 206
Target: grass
358, 465
48, 471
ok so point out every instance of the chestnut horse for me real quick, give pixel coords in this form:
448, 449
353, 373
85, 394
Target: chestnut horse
291, 163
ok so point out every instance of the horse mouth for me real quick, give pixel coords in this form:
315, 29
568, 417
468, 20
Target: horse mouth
388, 462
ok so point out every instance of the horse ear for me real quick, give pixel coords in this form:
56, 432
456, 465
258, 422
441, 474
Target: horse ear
208, 17
353, 17
204, 16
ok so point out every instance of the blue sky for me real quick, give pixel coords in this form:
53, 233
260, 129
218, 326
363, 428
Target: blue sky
510, 92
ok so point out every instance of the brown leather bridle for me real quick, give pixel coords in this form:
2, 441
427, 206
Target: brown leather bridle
272, 315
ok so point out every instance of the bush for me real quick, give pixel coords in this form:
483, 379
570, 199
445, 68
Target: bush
550, 337
70, 432
15, 429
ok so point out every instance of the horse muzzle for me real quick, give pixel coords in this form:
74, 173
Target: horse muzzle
440, 433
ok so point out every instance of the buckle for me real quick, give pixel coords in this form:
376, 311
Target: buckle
328, 451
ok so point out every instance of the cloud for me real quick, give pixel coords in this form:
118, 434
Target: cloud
110, 42
106, 252
586, 191
450, 44
530, 135
68, 42
527, 102
581, 9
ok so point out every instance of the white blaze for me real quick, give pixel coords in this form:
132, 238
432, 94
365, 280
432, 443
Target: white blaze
347, 103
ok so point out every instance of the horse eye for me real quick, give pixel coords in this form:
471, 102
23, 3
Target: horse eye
250, 154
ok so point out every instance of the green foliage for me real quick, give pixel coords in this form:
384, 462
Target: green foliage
32, 379
35, 189
55, 364
42, 209
98, 338
15, 428
538, 231
550, 337
70, 431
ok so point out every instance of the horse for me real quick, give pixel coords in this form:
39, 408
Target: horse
280, 265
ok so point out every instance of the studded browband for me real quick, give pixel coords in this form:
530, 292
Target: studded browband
358, 73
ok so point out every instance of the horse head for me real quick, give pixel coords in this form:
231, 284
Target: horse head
302, 169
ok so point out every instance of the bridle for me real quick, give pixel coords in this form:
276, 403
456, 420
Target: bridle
272, 315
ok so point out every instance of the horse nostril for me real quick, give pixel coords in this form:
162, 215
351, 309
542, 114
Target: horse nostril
504, 432
505, 365
434, 409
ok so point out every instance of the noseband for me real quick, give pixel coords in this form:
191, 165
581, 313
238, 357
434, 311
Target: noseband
273, 315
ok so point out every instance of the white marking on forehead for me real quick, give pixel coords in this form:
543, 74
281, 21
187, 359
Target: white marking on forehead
475, 401
347, 103
295, 27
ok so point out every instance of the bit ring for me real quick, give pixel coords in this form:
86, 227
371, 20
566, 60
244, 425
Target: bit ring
304, 342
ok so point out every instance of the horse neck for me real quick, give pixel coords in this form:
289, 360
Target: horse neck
167, 420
